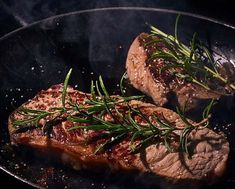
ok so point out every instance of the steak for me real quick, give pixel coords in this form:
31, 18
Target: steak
207, 163
162, 88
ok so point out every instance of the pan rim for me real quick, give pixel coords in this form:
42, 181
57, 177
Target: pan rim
20, 178
147, 9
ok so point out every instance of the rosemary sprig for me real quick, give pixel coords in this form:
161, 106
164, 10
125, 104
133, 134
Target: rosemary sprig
194, 63
32, 117
207, 113
123, 124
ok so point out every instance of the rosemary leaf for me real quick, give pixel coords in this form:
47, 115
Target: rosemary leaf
103, 87
133, 123
98, 89
92, 90
207, 111
64, 92
78, 119
182, 116
135, 135
33, 111
142, 144
176, 28
166, 142
108, 143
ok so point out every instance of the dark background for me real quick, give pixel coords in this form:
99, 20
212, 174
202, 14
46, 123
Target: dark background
18, 13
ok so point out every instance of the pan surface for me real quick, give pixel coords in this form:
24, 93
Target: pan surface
93, 43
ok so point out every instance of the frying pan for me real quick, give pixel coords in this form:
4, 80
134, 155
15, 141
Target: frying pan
93, 42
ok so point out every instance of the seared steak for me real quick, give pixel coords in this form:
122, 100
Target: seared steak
209, 150
162, 88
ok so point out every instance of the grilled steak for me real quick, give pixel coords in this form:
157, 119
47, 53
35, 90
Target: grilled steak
162, 88
209, 150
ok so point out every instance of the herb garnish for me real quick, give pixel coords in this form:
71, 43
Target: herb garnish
193, 64
123, 123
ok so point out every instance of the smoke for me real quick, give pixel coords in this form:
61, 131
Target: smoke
28, 11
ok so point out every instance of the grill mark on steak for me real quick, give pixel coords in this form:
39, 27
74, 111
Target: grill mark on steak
209, 149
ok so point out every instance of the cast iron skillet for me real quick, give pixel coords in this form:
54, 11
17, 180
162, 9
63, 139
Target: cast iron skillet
93, 42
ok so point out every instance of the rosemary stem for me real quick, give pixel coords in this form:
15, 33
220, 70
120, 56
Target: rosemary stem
216, 75
201, 84
232, 86
148, 133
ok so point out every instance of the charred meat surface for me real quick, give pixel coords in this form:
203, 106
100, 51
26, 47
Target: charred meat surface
145, 74
208, 150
